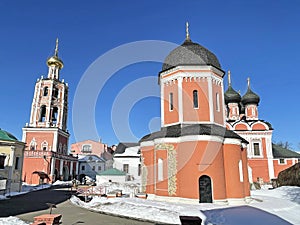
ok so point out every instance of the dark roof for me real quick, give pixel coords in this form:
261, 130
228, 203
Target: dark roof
250, 97
190, 53
280, 152
123, 145
6, 136
195, 129
232, 96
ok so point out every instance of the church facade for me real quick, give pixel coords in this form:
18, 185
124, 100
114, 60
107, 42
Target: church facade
265, 158
46, 157
193, 155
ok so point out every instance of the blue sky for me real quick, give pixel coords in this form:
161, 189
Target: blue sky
256, 39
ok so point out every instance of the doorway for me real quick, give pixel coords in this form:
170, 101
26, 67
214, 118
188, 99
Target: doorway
205, 190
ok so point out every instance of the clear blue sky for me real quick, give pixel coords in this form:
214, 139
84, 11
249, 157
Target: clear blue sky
260, 39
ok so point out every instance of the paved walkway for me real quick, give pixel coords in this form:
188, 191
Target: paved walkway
32, 204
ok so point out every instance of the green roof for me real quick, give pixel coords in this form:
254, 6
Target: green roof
280, 152
112, 172
6, 136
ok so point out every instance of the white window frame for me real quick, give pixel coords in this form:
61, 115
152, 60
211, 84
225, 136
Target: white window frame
217, 102
171, 101
260, 149
284, 161
160, 169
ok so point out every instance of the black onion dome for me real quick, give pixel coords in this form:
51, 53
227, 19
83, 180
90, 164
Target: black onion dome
190, 53
231, 96
250, 98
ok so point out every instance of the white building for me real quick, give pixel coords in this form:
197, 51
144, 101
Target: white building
127, 158
90, 165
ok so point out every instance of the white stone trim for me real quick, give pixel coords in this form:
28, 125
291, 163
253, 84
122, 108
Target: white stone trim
180, 103
162, 108
271, 168
210, 100
232, 141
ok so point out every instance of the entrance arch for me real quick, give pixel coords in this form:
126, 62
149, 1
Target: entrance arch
205, 190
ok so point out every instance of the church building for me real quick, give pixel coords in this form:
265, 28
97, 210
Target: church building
193, 155
46, 157
265, 158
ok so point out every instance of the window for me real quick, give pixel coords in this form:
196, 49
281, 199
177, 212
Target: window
17, 163
45, 91
218, 102
139, 169
86, 148
99, 168
171, 102
160, 170
82, 168
54, 114
241, 171
281, 161
256, 149
55, 93
195, 99
43, 114
93, 168
44, 145
33, 144
2, 161
125, 168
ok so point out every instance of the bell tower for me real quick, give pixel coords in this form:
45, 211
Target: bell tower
50, 103
46, 134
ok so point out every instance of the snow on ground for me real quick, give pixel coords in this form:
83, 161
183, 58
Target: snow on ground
280, 206
12, 221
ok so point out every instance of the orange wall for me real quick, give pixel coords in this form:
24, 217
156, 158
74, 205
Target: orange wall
259, 169
189, 113
232, 157
279, 167
39, 138
218, 115
34, 164
171, 116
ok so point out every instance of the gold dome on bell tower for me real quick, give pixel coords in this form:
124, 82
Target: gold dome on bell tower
55, 60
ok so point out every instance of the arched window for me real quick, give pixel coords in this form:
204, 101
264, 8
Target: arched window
195, 99
171, 106
55, 93
44, 146
45, 93
54, 114
43, 114
218, 102
32, 144
160, 170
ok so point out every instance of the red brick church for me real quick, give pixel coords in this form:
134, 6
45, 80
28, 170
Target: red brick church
194, 155
46, 157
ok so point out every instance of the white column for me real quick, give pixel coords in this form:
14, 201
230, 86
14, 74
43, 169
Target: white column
71, 168
52, 167
180, 107
210, 99
162, 115
61, 167
77, 168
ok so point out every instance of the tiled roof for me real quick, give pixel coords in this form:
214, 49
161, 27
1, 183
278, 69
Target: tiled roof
280, 152
112, 172
190, 53
6, 136
195, 129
